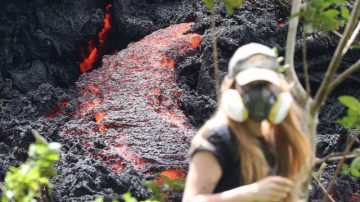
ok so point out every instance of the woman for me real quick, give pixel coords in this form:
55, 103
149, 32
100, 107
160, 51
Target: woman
252, 149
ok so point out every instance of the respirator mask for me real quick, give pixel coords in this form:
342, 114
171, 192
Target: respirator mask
254, 70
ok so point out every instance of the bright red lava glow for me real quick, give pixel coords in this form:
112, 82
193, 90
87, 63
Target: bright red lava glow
89, 61
171, 174
281, 24
99, 116
138, 80
58, 110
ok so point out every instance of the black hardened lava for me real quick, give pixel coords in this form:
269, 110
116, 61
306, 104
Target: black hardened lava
121, 126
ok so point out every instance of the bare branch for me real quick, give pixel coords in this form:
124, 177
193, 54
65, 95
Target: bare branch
335, 157
322, 187
337, 33
352, 38
335, 62
337, 171
306, 68
345, 74
216, 56
299, 91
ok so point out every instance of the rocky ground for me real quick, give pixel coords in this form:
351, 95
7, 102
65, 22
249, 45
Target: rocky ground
41, 87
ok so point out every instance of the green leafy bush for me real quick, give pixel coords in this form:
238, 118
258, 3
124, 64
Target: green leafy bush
160, 188
354, 168
324, 15
26, 182
351, 121
229, 4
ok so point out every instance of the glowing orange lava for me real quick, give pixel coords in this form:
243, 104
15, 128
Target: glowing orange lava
133, 100
58, 110
99, 116
107, 26
195, 41
171, 174
94, 55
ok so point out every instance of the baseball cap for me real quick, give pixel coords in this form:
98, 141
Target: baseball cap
254, 62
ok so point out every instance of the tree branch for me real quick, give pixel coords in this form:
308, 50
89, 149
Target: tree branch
339, 79
337, 171
322, 187
216, 55
335, 157
335, 62
299, 91
352, 38
306, 67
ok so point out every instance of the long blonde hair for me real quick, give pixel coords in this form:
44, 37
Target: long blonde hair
290, 147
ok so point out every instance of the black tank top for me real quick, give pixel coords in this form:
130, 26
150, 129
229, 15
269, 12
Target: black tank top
221, 143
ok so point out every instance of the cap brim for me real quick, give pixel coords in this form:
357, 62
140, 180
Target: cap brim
257, 74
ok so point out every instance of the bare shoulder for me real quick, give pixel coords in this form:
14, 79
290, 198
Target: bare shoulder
204, 173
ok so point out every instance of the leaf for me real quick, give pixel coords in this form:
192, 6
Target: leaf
128, 198
276, 51
44, 180
350, 120
99, 199
280, 59
179, 184
4, 198
9, 194
155, 189
54, 146
27, 181
355, 167
231, 5
210, 4
229, 10
309, 28
299, 14
319, 15
345, 169
345, 13
166, 179
39, 139
350, 101
355, 46
52, 157
283, 68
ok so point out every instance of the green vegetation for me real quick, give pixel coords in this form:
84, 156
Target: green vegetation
324, 15
351, 121
160, 189
229, 4
27, 182
166, 186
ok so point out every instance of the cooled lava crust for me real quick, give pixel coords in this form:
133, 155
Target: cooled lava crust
132, 115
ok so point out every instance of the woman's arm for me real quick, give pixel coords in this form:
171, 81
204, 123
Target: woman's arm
205, 172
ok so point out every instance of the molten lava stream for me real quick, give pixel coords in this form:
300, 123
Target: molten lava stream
94, 53
130, 106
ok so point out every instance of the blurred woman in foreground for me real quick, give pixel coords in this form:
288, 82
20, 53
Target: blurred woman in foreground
253, 148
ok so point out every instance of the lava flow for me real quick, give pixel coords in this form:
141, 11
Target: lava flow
127, 112
95, 52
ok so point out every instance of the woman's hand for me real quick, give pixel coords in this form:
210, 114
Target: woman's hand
273, 188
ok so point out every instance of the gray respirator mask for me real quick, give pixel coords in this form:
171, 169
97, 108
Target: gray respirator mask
259, 101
